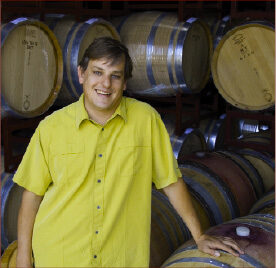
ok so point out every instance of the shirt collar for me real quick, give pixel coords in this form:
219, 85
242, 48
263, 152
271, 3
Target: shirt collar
81, 113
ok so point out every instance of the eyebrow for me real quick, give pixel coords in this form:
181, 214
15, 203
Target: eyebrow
101, 69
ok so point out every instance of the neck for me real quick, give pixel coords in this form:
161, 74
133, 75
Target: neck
98, 117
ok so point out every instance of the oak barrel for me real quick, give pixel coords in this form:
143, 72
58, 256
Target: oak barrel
189, 142
264, 164
168, 230
74, 37
213, 131
168, 55
265, 205
230, 174
243, 66
259, 245
11, 195
32, 67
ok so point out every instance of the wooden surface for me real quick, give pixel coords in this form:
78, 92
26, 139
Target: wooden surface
32, 68
243, 67
168, 56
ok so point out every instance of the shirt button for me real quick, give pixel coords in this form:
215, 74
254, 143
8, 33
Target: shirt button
97, 232
100, 155
99, 181
102, 129
95, 256
98, 207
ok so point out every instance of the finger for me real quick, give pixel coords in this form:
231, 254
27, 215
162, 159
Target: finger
233, 245
225, 247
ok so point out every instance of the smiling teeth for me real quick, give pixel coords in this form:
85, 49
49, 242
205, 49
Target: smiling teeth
102, 92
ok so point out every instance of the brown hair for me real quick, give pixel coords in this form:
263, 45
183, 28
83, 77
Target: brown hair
107, 47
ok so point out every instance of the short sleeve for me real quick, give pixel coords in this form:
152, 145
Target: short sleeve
165, 169
33, 172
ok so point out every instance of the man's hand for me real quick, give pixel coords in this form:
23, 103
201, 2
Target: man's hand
210, 245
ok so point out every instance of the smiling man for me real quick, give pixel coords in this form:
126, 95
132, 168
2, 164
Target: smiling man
88, 173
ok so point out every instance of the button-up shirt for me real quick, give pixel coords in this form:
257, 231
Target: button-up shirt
96, 182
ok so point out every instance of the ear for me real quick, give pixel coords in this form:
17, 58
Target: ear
80, 74
124, 87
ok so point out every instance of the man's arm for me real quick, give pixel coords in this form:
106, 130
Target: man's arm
26, 217
179, 197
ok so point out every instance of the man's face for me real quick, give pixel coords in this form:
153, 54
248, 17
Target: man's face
103, 85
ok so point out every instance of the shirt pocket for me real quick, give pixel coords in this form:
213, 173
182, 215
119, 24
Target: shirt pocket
126, 160
67, 163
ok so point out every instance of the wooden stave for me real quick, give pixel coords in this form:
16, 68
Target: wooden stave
225, 95
255, 255
6, 29
173, 70
244, 194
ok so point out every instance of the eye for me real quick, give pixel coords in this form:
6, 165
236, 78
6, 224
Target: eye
116, 76
97, 73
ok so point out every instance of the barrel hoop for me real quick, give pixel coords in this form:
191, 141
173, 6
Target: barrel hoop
164, 231
250, 180
179, 220
251, 167
52, 25
65, 52
203, 260
161, 225
221, 30
170, 57
6, 107
206, 132
4, 197
214, 178
267, 204
260, 156
244, 257
150, 49
257, 223
251, 261
178, 55
119, 27
206, 197
75, 51
213, 137
9, 27
177, 141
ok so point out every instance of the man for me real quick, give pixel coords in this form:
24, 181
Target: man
88, 172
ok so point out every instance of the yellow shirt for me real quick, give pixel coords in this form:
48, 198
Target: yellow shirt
96, 183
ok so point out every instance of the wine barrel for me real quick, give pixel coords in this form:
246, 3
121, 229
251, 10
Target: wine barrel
217, 26
168, 230
259, 245
8, 259
168, 55
265, 205
11, 195
264, 164
246, 126
213, 131
243, 66
74, 37
261, 137
249, 169
32, 67
189, 142
231, 174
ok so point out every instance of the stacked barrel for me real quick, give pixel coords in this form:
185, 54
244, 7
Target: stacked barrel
230, 187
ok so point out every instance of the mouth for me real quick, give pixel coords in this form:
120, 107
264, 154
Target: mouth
102, 92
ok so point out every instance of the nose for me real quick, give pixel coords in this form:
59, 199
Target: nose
106, 81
